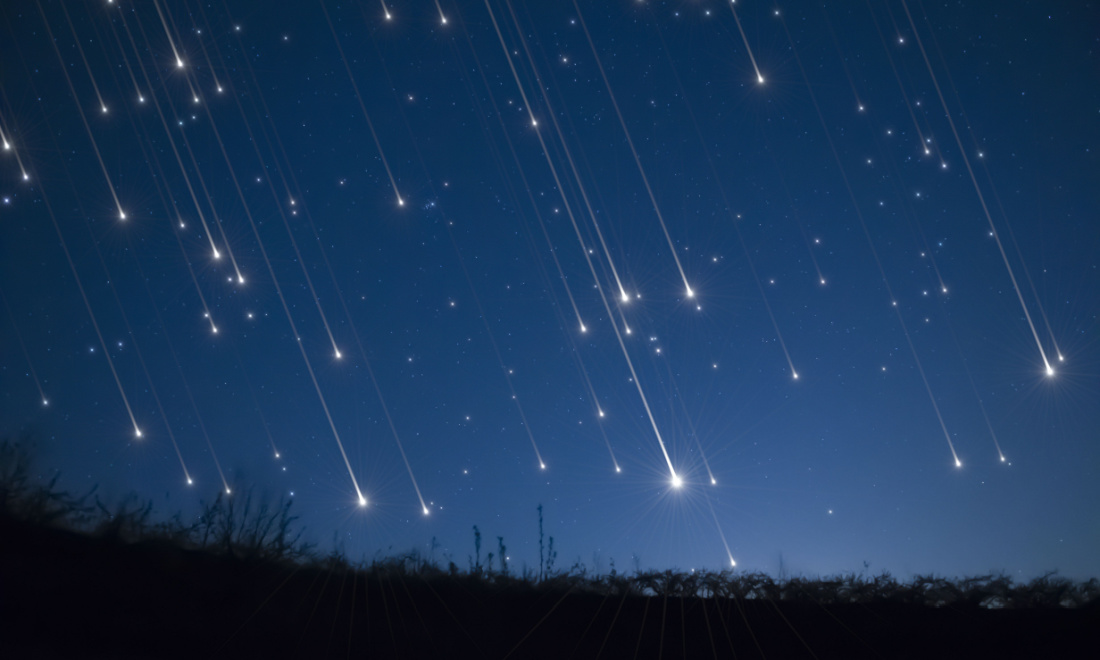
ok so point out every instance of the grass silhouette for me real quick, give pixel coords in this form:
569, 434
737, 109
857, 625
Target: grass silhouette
79, 578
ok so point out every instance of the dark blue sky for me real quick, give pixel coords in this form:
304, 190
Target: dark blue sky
467, 299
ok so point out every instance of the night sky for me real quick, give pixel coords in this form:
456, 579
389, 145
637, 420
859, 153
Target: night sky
853, 237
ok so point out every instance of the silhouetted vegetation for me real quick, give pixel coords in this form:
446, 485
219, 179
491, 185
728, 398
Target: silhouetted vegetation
245, 559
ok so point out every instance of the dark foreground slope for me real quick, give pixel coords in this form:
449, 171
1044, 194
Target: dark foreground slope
64, 594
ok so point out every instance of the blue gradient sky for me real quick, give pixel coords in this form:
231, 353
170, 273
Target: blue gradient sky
457, 300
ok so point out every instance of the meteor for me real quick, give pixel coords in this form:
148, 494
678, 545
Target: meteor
362, 106
84, 59
88, 307
624, 296
588, 261
721, 534
634, 151
171, 41
15, 152
978, 190
874, 251
80, 110
748, 49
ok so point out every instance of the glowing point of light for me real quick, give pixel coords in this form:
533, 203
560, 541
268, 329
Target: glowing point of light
542, 466
584, 328
1060, 358
400, 202
277, 455
732, 562
141, 99
190, 482
103, 108
26, 177
534, 123
217, 255
443, 20
794, 375
618, 469
760, 80
601, 413
1050, 371
389, 16
425, 509
137, 433
220, 90
690, 292
179, 63
958, 463
240, 279
362, 501
823, 281
677, 482
7, 146
339, 355
121, 215
713, 481
214, 329
45, 402
228, 491
626, 297
1002, 458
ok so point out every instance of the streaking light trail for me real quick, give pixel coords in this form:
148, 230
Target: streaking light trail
748, 49
168, 32
359, 98
91, 315
981, 197
83, 118
688, 291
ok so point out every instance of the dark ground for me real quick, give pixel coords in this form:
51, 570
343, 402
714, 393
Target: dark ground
69, 595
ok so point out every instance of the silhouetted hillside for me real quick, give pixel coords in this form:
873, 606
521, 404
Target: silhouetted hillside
80, 580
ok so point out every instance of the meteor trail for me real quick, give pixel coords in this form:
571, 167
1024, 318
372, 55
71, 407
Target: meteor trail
583, 328
84, 59
978, 190
603, 297
359, 98
737, 228
167, 31
172, 143
624, 298
347, 313
15, 152
91, 314
874, 251
721, 534
688, 291
80, 111
748, 49
30, 364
